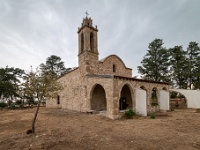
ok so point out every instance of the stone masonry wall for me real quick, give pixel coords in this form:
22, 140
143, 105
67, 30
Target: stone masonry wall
106, 67
52, 103
107, 84
119, 83
73, 93
88, 63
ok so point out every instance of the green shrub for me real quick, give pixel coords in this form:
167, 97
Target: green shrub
129, 114
12, 106
19, 102
173, 95
2, 104
152, 116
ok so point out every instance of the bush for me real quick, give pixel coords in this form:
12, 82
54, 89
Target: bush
129, 114
2, 104
12, 106
173, 95
152, 116
19, 102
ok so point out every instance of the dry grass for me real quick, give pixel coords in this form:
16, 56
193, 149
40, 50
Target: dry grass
61, 129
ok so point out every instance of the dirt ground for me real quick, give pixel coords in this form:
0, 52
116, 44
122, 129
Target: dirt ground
66, 130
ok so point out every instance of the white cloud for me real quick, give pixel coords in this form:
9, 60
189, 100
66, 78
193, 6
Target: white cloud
31, 31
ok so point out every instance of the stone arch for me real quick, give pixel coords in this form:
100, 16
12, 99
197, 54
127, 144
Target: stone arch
98, 98
126, 97
91, 41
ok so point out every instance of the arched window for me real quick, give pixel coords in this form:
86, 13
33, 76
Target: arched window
91, 41
58, 99
114, 68
82, 42
154, 96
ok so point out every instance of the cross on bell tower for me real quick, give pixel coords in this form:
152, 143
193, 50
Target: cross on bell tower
86, 14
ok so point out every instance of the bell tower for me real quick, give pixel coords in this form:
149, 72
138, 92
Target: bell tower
88, 47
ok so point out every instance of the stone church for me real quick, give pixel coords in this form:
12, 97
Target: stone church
106, 85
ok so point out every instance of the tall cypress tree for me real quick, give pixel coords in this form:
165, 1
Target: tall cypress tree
155, 63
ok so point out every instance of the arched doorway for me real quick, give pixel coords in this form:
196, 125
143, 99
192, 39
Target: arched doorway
98, 98
125, 101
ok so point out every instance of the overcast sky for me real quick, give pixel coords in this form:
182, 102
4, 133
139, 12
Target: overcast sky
32, 30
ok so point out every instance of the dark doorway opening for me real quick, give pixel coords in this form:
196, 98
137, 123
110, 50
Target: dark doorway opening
58, 99
125, 101
123, 104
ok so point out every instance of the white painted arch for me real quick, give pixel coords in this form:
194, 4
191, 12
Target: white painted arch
192, 96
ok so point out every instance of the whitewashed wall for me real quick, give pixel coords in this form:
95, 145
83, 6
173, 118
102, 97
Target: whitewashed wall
192, 96
141, 105
164, 100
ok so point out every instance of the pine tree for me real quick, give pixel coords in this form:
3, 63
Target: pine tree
53, 66
155, 63
10, 79
193, 52
179, 67
196, 73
